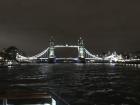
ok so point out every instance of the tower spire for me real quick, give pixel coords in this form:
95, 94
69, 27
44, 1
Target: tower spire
80, 42
51, 41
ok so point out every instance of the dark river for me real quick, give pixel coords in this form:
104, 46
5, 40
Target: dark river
76, 84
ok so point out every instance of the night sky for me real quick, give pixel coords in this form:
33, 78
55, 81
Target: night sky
103, 24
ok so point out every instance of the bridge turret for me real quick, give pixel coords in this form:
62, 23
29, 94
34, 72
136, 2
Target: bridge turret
81, 50
51, 58
80, 42
51, 41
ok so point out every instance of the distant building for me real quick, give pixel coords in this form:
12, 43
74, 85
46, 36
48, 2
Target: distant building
1, 58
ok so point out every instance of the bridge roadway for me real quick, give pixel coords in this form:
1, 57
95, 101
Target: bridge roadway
67, 58
64, 46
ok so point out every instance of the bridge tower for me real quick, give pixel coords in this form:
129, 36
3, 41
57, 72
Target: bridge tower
81, 50
51, 56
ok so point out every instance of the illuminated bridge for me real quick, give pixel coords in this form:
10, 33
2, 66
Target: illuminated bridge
49, 55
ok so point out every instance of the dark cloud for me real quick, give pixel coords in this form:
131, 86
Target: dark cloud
104, 24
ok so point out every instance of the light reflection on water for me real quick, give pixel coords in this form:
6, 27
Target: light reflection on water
85, 84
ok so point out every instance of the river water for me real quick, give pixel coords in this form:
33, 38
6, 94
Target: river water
76, 84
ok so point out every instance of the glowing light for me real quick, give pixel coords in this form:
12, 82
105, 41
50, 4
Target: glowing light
53, 102
9, 63
47, 104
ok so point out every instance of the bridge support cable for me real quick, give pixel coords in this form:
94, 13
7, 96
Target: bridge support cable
91, 55
20, 57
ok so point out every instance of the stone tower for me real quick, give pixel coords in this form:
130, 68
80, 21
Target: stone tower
81, 50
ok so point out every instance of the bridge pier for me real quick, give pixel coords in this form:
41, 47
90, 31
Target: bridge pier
51, 60
82, 60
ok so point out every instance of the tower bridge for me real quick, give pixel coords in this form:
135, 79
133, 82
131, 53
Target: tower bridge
48, 55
